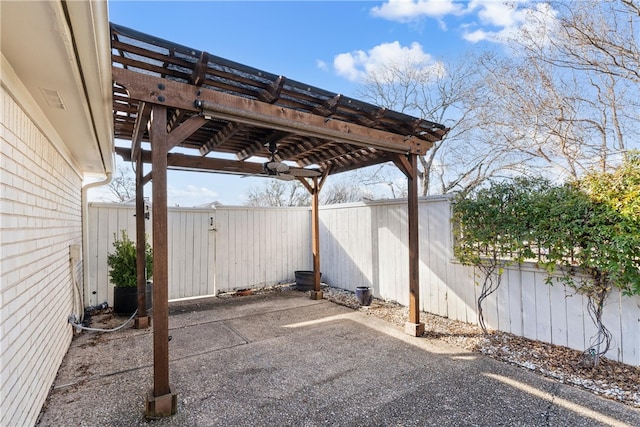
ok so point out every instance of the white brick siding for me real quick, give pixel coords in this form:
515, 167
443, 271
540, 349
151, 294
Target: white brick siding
40, 216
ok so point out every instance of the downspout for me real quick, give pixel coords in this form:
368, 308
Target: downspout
85, 233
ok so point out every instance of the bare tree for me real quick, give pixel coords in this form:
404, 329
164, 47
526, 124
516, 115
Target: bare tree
559, 100
343, 191
382, 180
589, 35
123, 184
274, 192
442, 93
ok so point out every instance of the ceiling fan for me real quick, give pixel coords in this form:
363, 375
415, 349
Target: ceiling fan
282, 170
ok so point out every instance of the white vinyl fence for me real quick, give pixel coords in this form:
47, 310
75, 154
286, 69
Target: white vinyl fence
210, 250
228, 248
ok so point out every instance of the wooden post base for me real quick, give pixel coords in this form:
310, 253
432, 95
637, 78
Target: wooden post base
414, 329
161, 406
316, 294
142, 322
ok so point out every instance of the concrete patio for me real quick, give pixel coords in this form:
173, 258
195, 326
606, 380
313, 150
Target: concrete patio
282, 359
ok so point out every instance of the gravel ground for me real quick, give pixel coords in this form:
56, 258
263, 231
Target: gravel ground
610, 379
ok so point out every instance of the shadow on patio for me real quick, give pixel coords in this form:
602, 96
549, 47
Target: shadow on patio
280, 358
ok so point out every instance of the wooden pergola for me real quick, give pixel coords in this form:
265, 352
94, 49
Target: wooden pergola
199, 112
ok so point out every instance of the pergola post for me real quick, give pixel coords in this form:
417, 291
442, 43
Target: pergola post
142, 318
413, 326
316, 293
161, 401
314, 188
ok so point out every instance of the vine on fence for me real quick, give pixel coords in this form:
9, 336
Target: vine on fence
585, 234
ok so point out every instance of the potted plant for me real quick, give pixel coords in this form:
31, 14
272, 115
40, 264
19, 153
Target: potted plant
364, 295
123, 273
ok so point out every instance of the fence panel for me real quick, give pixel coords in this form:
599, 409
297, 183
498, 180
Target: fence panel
257, 247
360, 245
524, 304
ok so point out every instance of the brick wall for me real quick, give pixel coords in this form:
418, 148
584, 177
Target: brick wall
40, 217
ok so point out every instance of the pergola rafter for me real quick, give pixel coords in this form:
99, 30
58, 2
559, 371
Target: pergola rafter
171, 96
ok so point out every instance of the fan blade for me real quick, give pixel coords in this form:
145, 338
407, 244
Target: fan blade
284, 177
278, 167
305, 173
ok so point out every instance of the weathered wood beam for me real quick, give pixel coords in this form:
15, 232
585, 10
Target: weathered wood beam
147, 178
306, 184
403, 164
372, 118
307, 147
323, 178
142, 319
142, 120
337, 154
185, 130
162, 70
175, 119
143, 87
256, 146
221, 137
413, 327
178, 161
316, 294
200, 70
329, 107
272, 93
307, 124
137, 50
162, 401
353, 166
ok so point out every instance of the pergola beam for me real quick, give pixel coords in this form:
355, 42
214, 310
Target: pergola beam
184, 130
178, 161
221, 137
257, 145
229, 107
142, 120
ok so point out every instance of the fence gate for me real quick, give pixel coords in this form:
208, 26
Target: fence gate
191, 252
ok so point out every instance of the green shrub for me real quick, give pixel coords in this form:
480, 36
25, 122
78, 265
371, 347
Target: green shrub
122, 262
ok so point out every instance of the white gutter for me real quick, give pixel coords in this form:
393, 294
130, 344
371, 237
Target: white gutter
85, 234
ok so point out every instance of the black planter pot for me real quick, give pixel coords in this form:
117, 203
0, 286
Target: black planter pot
364, 295
304, 280
125, 300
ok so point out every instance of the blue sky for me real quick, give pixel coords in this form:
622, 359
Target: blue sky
327, 44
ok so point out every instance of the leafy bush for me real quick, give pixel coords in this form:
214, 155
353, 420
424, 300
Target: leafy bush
122, 262
590, 227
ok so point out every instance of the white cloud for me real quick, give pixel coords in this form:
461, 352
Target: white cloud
476, 36
513, 21
357, 65
412, 10
321, 64
492, 20
496, 13
346, 65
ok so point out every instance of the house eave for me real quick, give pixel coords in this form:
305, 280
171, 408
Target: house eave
60, 53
